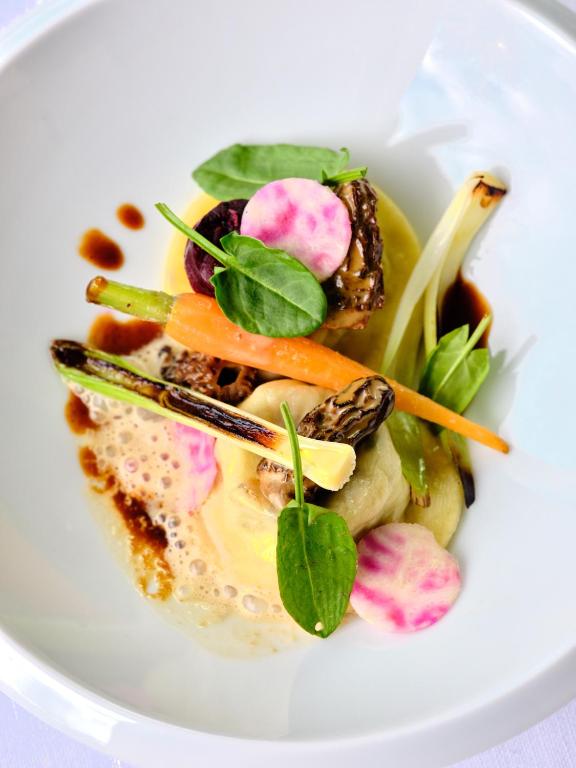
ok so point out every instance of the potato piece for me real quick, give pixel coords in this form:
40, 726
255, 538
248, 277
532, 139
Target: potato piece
377, 491
446, 495
301, 398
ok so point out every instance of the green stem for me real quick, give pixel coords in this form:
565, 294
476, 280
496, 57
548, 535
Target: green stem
296, 457
148, 305
192, 234
351, 175
477, 335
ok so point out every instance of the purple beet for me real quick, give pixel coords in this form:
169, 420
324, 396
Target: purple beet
218, 222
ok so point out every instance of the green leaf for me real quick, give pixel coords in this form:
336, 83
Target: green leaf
240, 170
315, 555
340, 178
316, 566
296, 455
263, 290
455, 370
266, 291
406, 433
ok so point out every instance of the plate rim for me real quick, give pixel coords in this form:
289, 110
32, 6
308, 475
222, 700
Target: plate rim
33, 679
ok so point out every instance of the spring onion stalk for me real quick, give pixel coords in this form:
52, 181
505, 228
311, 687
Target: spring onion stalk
328, 464
469, 208
344, 176
139, 302
483, 201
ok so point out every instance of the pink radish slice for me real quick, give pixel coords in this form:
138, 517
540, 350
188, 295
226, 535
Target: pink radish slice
303, 218
406, 581
197, 464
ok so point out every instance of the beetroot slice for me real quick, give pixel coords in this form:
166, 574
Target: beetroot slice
199, 265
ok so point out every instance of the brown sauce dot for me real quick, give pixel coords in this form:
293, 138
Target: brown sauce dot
464, 303
88, 462
100, 250
130, 216
121, 337
78, 415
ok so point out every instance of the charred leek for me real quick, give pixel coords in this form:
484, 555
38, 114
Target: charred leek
327, 464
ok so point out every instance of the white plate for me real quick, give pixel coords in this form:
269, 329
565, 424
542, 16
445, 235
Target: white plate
116, 101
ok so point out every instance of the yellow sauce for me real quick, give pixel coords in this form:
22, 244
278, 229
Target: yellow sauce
244, 538
231, 532
175, 280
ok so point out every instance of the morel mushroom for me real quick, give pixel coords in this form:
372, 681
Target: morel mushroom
346, 417
208, 375
357, 286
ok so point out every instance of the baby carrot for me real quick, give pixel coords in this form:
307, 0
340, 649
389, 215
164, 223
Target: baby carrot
197, 322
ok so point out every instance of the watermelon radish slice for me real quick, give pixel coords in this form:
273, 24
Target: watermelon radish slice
406, 581
303, 218
198, 464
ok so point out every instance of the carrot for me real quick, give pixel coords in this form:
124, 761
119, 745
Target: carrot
198, 323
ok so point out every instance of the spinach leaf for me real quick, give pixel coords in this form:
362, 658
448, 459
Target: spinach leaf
406, 433
240, 170
455, 370
315, 554
263, 290
266, 291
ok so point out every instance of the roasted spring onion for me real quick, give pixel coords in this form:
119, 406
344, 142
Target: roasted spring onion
328, 464
440, 260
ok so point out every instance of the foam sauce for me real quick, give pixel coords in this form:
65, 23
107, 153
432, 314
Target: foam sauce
172, 469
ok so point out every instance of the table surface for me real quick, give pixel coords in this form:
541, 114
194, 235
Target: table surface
26, 742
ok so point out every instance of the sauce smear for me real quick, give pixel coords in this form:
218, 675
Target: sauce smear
148, 543
121, 338
88, 462
130, 216
100, 250
78, 415
464, 303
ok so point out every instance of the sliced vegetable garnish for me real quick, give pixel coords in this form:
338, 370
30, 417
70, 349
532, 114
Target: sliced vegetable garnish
471, 205
315, 556
303, 218
455, 370
327, 464
240, 170
197, 322
406, 581
263, 290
